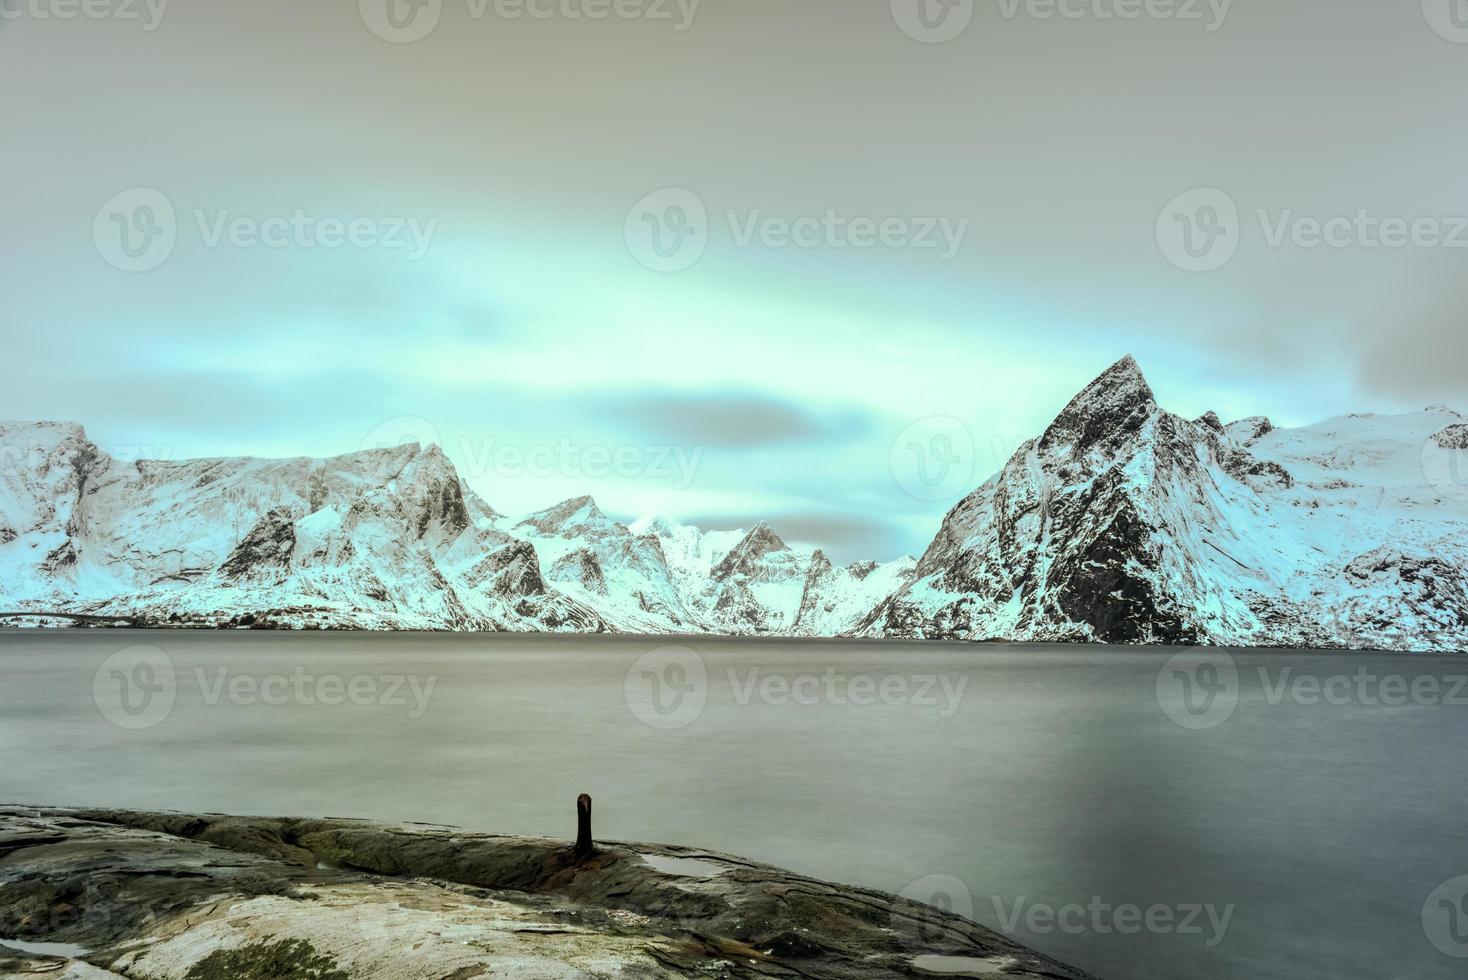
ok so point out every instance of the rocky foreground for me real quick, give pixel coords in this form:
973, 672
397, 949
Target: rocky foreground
107, 893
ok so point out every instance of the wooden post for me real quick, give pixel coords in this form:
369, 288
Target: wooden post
584, 848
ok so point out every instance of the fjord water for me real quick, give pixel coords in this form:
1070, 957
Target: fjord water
1009, 782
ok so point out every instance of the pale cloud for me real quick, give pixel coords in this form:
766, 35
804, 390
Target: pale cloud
529, 321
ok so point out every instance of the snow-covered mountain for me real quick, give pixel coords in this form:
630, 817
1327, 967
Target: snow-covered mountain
657, 575
1121, 523
380, 539
1124, 523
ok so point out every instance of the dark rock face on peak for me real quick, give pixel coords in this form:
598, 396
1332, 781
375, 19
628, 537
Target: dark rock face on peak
1106, 413
1454, 436
1211, 420
513, 570
582, 567
747, 557
1250, 430
1068, 541
265, 553
818, 579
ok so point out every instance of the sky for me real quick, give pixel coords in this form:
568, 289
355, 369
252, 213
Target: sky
825, 263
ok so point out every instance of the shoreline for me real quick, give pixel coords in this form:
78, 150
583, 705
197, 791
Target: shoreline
194, 896
883, 642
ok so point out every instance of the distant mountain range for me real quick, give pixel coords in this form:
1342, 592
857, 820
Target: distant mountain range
1121, 523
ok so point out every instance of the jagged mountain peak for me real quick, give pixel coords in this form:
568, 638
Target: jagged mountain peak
1116, 404
1121, 382
565, 516
654, 524
759, 543
1249, 430
762, 540
1125, 523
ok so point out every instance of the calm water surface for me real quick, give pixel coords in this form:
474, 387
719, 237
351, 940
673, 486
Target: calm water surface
1016, 784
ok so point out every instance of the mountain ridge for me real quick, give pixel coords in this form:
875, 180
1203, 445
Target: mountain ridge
1121, 522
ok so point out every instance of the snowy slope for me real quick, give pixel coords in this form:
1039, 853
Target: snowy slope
753, 582
603, 563
378, 539
1125, 523
834, 599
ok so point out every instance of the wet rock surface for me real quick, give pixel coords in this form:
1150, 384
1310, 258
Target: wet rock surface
107, 893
